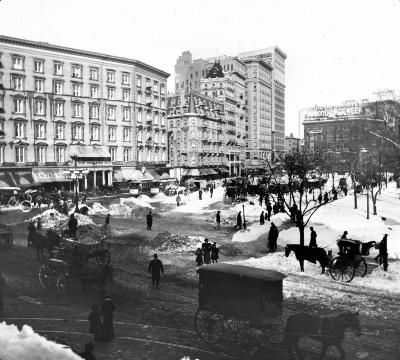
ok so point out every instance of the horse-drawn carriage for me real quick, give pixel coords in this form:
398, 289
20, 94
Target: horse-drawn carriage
350, 261
73, 261
239, 299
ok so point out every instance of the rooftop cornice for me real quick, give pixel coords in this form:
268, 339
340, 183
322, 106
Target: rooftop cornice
78, 52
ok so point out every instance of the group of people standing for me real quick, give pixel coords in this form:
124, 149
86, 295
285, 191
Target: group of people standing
207, 253
101, 319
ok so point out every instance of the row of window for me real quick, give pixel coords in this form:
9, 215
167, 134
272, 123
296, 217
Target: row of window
77, 72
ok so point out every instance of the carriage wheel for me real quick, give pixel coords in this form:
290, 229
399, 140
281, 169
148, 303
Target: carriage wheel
61, 283
361, 268
341, 269
12, 202
45, 276
209, 325
103, 258
25, 206
248, 342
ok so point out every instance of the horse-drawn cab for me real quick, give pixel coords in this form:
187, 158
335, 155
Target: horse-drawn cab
240, 299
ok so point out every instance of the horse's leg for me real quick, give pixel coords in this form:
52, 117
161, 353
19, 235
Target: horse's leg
342, 353
301, 261
323, 351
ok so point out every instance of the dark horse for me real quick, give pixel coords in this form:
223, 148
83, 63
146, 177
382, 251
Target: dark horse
45, 240
328, 330
310, 254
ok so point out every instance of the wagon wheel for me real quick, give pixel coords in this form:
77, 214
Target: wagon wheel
12, 202
209, 325
25, 206
361, 268
103, 258
45, 276
61, 283
248, 340
342, 269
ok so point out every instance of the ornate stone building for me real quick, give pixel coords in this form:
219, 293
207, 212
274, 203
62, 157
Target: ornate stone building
197, 136
107, 112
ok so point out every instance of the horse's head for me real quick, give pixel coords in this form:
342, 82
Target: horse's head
288, 250
353, 321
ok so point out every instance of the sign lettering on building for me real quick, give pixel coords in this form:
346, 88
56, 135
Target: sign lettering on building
335, 110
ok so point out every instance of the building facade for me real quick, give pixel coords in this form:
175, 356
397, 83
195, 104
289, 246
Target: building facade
106, 112
197, 136
258, 76
293, 144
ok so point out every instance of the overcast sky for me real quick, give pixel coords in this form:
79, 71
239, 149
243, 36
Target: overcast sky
337, 50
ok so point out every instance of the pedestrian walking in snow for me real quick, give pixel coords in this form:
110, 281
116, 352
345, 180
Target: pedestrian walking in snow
199, 257
239, 221
206, 248
155, 269
262, 219
383, 253
39, 224
178, 200
313, 238
31, 233
200, 194
214, 253
211, 191
269, 210
326, 199
149, 220
218, 219
260, 200
345, 190
273, 238
72, 225
107, 312
320, 198
95, 324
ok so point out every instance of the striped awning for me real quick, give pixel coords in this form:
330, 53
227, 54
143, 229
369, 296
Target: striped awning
6, 180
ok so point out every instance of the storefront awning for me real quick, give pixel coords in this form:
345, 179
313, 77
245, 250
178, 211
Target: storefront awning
131, 174
6, 180
153, 173
164, 176
212, 172
90, 152
23, 178
193, 172
223, 170
48, 175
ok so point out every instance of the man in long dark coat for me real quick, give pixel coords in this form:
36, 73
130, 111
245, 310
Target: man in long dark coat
383, 253
206, 247
269, 210
273, 238
239, 220
107, 311
155, 269
72, 225
149, 220
31, 233
313, 238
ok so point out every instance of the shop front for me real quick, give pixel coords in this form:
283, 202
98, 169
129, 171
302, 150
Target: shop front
52, 178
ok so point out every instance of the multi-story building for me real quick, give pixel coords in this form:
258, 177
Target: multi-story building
265, 131
293, 144
197, 136
106, 112
225, 82
345, 130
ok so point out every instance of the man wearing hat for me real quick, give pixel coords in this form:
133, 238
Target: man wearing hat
155, 269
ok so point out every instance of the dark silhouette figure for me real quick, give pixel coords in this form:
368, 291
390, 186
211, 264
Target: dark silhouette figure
72, 226
149, 220
107, 221
273, 238
206, 249
178, 200
199, 257
200, 194
320, 198
211, 191
269, 210
155, 269
334, 193
214, 253
39, 224
260, 200
313, 238
345, 191
329, 330
31, 233
340, 243
218, 219
107, 311
383, 253
88, 353
310, 254
95, 324
239, 221
326, 199
262, 219
275, 208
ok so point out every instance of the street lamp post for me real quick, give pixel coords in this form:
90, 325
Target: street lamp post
75, 175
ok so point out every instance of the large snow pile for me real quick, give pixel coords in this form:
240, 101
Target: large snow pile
168, 243
26, 344
98, 209
120, 210
136, 202
50, 219
192, 204
144, 198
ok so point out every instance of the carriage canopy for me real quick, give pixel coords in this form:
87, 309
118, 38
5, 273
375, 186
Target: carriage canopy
241, 292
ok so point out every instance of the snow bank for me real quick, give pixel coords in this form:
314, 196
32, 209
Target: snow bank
193, 205
50, 219
26, 344
98, 209
144, 198
168, 243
